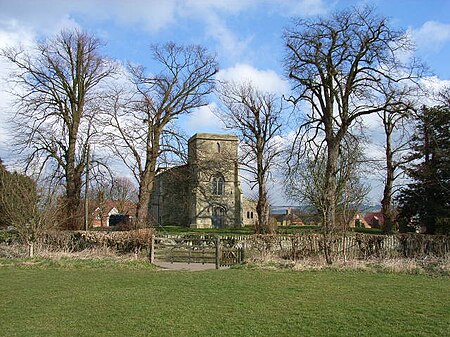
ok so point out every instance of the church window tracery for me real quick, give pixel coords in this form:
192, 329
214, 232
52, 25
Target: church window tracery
218, 187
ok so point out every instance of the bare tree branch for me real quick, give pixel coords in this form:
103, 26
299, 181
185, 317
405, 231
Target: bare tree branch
256, 117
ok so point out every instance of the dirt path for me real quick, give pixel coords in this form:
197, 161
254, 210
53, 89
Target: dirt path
185, 266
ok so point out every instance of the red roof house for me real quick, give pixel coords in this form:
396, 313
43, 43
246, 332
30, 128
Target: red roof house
105, 210
374, 219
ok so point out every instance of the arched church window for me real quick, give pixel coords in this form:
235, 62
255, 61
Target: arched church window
218, 185
218, 147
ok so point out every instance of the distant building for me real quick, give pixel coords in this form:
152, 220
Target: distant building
287, 217
374, 219
108, 213
206, 192
358, 221
250, 217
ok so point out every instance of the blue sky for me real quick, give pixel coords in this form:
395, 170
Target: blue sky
245, 35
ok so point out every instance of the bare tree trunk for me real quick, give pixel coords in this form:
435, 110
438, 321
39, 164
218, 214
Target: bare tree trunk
31, 249
344, 245
145, 195
147, 180
73, 201
262, 209
386, 202
330, 198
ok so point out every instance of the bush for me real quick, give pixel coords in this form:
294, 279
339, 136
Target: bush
8, 236
122, 241
368, 230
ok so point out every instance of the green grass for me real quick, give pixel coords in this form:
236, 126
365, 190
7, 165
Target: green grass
294, 229
101, 300
376, 231
248, 230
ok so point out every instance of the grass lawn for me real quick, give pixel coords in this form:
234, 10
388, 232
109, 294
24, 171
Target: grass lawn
104, 300
248, 230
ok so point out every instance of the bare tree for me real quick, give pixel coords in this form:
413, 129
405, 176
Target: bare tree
396, 143
55, 86
141, 122
400, 102
256, 117
306, 179
123, 188
305, 183
334, 65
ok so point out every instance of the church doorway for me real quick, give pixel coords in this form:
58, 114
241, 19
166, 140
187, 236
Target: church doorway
218, 217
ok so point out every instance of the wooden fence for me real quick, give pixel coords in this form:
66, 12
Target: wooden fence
352, 246
229, 250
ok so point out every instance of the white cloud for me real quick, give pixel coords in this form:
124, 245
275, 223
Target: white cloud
229, 43
153, 15
433, 85
48, 16
216, 12
203, 119
11, 34
264, 80
432, 35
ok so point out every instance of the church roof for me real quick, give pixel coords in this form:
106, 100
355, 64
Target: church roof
213, 136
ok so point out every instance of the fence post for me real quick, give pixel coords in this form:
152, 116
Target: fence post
244, 246
217, 252
152, 249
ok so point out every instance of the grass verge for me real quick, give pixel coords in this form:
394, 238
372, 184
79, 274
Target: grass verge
109, 300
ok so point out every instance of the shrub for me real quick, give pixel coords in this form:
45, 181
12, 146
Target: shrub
122, 241
8, 236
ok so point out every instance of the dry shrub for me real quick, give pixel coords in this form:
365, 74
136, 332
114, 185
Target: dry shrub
91, 254
12, 250
429, 266
120, 241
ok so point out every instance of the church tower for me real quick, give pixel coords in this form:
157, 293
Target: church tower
216, 198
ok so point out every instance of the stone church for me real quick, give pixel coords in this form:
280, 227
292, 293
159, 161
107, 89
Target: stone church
206, 192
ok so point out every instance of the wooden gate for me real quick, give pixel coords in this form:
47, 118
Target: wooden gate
196, 249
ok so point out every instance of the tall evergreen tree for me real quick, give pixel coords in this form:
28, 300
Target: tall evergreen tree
427, 198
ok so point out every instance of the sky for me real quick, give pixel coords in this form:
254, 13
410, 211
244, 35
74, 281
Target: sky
246, 36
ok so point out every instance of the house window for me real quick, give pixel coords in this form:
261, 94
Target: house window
218, 185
